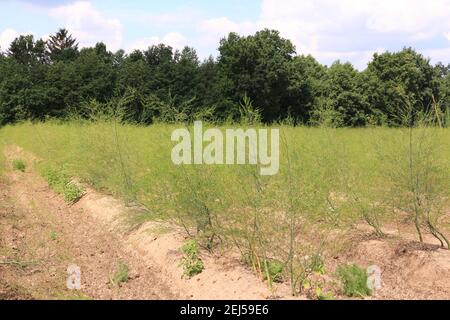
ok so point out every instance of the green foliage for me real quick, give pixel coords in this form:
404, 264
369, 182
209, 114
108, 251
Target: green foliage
72, 192
54, 179
306, 87
326, 116
26, 50
257, 66
275, 270
62, 184
447, 117
121, 275
417, 175
354, 280
249, 115
311, 278
322, 295
53, 236
330, 179
316, 264
19, 165
55, 79
392, 76
343, 94
61, 46
330, 176
191, 262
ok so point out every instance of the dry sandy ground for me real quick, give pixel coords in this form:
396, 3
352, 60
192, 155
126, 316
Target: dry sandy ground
40, 236
410, 269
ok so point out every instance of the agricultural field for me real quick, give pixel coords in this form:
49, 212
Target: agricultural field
343, 200
216, 153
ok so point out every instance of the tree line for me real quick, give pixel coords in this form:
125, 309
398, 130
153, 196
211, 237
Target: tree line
56, 79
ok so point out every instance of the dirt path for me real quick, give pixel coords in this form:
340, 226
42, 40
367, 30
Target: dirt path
41, 236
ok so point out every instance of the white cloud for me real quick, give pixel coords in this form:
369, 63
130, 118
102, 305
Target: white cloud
310, 23
447, 35
437, 55
223, 25
174, 39
343, 29
212, 30
328, 29
88, 25
359, 59
408, 16
6, 37
176, 17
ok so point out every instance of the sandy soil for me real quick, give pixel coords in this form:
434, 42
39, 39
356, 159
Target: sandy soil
93, 234
410, 269
42, 236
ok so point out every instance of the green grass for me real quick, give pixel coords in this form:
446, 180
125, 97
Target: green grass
329, 180
19, 165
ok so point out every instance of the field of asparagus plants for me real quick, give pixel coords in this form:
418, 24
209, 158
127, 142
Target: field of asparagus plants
329, 181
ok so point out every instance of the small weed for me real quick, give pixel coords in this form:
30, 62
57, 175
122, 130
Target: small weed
191, 263
275, 270
316, 264
19, 165
322, 295
53, 236
72, 192
121, 275
354, 280
32, 204
62, 184
313, 281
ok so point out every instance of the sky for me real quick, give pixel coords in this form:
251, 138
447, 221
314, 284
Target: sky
348, 30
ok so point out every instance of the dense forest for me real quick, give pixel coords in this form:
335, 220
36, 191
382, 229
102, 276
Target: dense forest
56, 79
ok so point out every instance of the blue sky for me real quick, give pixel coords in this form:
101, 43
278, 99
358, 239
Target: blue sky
349, 30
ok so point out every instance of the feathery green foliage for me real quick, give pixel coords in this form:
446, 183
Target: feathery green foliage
330, 179
354, 280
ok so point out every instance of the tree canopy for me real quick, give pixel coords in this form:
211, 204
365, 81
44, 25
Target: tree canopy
55, 78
